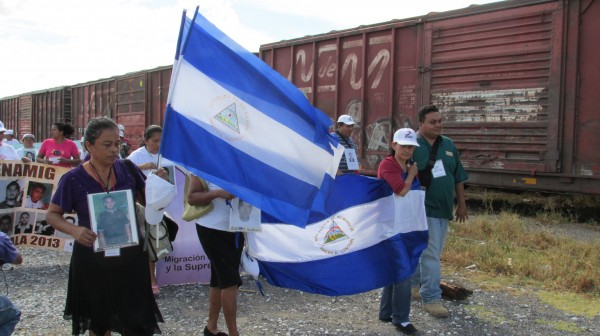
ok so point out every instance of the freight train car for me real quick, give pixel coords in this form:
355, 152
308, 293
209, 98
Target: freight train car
517, 82
135, 100
34, 112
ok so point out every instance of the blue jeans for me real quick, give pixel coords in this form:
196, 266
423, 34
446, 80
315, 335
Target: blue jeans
9, 316
395, 302
428, 274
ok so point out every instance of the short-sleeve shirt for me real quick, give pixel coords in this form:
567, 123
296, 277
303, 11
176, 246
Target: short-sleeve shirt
439, 197
68, 149
347, 143
8, 251
391, 171
8, 152
23, 152
114, 226
142, 155
76, 184
218, 217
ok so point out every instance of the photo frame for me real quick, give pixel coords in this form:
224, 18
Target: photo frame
29, 153
244, 217
113, 219
170, 173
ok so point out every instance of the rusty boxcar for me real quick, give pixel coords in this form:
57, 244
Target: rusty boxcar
135, 100
34, 112
517, 82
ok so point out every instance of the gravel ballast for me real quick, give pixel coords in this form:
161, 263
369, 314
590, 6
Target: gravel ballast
38, 287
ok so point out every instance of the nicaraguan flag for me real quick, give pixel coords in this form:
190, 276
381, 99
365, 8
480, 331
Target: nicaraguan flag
371, 238
239, 124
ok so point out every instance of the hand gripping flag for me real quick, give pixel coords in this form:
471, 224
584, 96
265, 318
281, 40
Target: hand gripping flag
370, 238
236, 122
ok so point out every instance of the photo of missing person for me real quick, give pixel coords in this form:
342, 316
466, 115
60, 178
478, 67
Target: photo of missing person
6, 222
24, 222
11, 193
29, 154
244, 217
71, 218
38, 195
113, 220
170, 173
41, 225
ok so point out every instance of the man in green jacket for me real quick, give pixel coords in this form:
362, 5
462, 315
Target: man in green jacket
447, 180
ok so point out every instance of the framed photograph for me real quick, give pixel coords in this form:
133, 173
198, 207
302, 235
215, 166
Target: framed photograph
29, 153
171, 173
244, 216
113, 220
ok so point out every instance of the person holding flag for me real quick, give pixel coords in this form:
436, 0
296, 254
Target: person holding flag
223, 249
400, 173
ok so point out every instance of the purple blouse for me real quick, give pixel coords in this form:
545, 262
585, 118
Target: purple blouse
76, 184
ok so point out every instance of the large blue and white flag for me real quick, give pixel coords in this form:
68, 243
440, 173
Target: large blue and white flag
370, 238
236, 122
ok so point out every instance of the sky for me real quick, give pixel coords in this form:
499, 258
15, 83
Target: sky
52, 43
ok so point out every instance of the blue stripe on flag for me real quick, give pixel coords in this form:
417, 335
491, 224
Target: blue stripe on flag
388, 262
253, 81
366, 238
292, 174
225, 170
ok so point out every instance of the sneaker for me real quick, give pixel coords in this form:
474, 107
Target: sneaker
436, 309
385, 319
415, 293
409, 329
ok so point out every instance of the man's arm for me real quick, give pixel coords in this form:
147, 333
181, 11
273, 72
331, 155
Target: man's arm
461, 209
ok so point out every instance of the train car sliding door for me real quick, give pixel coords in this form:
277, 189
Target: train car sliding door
496, 77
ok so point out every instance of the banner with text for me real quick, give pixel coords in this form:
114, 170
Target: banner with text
26, 190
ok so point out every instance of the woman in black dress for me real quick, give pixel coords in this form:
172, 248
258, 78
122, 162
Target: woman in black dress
106, 292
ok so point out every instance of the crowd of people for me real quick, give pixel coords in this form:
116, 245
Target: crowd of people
115, 291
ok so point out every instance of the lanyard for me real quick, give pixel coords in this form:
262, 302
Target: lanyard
102, 184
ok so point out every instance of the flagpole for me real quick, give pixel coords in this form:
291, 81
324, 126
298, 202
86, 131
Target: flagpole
180, 34
175, 71
187, 38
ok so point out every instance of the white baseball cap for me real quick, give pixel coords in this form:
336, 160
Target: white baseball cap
346, 119
2, 129
159, 194
406, 136
28, 135
9, 132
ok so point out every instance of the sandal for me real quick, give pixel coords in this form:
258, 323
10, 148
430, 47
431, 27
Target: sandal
155, 290
208, 333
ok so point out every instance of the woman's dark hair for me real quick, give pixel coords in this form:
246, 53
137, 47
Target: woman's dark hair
95, 127
151, 130
67, 129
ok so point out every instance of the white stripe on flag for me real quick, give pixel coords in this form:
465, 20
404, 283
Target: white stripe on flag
210, 99
360, 226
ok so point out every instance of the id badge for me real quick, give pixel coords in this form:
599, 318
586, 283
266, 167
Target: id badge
438, 169
351, 159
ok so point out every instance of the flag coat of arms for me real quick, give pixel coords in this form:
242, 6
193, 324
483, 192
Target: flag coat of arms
236, 122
